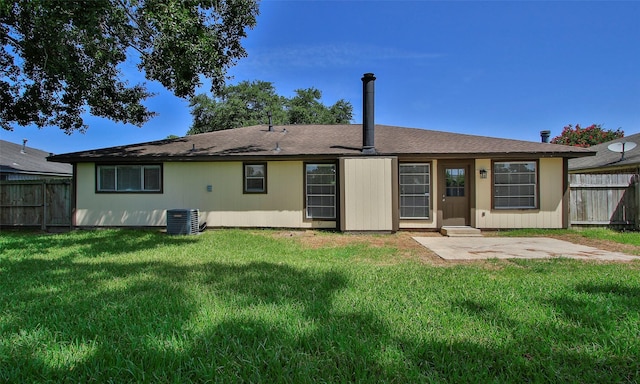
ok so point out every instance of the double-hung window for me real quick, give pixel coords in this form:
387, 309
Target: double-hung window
320, 196
515, 185
129, 178
415, 191
255, 178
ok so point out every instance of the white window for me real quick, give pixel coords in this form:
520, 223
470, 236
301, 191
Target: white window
320, 191
415, 191
255, 178
515, 185
129, 178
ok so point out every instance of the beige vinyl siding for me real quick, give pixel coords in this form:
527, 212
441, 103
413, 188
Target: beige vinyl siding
547, 215
367, 193
185, 186
368, 197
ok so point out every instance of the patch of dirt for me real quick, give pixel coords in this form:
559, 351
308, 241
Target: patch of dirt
409, 249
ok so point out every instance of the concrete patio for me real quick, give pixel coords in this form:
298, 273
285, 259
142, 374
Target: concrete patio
479, 248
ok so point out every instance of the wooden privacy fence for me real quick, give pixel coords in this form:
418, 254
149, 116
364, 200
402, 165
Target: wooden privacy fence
604, 200
35, 203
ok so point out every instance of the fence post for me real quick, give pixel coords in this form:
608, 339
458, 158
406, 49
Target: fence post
44, 205
69, 195
636, 200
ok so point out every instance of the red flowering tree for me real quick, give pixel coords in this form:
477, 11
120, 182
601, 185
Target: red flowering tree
586, 137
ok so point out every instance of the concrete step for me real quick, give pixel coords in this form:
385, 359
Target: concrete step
460, 231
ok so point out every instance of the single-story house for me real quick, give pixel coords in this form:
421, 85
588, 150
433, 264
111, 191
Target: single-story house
19, 162
352, 177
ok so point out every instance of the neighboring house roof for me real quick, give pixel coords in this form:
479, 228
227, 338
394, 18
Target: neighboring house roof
320, 141
19, 159
607, 160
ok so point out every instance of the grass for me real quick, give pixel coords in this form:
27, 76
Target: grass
247, 306
623, 237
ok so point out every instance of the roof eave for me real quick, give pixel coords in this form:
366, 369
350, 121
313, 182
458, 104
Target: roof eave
605, 168
38, 173
244, 157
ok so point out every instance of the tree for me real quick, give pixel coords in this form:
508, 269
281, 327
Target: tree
305, 108
244, 104
60, 58
586, 137
249, 103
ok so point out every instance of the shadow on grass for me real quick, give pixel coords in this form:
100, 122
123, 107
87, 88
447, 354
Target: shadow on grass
545, 351
486, 312
88, 243
69, 319
96, 243
599, 306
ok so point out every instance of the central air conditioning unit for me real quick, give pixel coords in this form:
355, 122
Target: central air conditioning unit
182, 222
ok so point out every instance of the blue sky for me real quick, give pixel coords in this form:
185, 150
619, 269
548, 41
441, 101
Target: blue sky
494, 68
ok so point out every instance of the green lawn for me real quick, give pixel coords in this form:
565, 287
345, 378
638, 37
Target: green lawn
623, 237
234, 305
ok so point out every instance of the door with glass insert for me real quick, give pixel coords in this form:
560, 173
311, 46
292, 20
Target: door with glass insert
454, 193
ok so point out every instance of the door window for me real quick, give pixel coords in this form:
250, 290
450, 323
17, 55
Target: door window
454, 182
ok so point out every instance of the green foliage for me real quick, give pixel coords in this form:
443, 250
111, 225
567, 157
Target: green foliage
236, 106
250, 306
305, 108
586, 137
59, 58
249, 103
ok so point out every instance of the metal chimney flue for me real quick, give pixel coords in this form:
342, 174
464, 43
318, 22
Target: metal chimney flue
270, 121
368, 124
544, 136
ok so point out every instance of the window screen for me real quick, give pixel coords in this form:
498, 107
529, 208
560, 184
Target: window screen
129, 178
255, 177
320, 191
514, 185
415, 190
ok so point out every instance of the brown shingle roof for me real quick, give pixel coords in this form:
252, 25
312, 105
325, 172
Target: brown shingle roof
320, 141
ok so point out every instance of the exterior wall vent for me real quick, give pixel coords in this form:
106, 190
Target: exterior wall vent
182, 222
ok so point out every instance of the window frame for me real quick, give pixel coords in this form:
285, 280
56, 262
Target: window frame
142, 190
536, 189
245, 188
429, 192
335, 192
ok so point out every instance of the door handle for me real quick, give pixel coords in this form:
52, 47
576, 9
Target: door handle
443, 197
